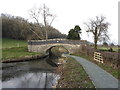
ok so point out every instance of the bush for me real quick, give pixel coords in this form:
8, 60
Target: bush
110, 58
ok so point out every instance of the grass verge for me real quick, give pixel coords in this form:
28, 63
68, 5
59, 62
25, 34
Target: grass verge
16, 52
73, 75
113, 71
10, 43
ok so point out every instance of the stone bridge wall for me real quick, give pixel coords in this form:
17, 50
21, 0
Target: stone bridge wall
44, 45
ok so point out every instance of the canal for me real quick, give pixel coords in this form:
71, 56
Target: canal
29, 74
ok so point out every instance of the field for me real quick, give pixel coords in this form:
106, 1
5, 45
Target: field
9, 43
103, 48
14, 49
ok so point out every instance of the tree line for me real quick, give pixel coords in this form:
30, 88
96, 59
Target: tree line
16, 27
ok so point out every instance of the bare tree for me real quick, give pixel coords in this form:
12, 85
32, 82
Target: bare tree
48, 18
35, 14
99, 29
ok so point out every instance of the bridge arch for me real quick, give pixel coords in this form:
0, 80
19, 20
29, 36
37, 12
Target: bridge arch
60, 47
43, 45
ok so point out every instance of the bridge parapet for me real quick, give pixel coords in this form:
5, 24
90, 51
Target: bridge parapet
52, 41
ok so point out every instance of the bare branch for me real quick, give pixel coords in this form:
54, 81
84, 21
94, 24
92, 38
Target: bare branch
35, 33
52, 20
35, 14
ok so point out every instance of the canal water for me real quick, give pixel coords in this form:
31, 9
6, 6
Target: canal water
29, 74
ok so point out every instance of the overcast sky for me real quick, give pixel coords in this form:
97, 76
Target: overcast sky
69, 13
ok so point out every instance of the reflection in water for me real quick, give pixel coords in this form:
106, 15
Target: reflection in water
31, 80
33, 74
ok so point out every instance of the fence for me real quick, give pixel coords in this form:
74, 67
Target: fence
98, 57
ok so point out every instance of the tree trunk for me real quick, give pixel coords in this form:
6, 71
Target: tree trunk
46, 36
95, 42
95, 46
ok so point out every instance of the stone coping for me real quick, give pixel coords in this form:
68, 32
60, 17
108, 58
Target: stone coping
26, 58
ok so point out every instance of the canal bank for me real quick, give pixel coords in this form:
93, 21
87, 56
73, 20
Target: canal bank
26, 58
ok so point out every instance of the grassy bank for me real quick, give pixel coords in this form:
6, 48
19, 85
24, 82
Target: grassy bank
73, 76
113, 71
15, 49
10, 43
16, 52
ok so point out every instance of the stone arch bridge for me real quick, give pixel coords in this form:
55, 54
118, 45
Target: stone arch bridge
43, 45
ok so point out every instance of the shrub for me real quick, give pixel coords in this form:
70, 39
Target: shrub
110, 58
